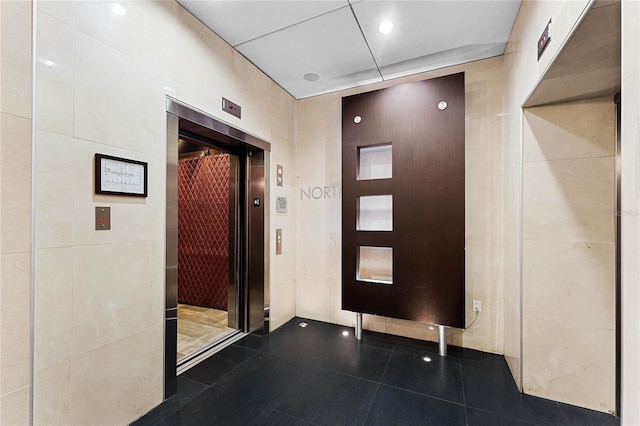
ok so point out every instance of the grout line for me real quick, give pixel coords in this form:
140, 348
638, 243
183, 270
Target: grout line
346, 374
16, 115
555, 160
464, 397
32, 242
373, 400
393, 349
233, 369
538, 240
319, 367
425, 395
503, 416
292, 416
235, 46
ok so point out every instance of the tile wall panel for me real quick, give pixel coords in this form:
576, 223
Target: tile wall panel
110, 87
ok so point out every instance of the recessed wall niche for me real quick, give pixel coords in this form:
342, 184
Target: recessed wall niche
403, 202
375, 162
375, 265
375, 213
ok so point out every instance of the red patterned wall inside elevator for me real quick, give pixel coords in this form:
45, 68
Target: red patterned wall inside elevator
203, 231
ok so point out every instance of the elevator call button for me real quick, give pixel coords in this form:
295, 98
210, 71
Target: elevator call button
256, 202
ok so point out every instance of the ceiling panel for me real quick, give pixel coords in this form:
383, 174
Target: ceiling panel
425, 27
240, 21
443, 59
330, 45
340, 41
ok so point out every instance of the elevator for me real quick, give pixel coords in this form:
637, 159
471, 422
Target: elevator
216, 237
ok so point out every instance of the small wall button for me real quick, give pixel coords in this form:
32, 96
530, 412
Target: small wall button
278, 241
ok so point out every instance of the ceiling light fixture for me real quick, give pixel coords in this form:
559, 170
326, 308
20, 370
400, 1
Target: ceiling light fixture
345, 333
385, 27
118, 9
49, 62
311, 76
426, 359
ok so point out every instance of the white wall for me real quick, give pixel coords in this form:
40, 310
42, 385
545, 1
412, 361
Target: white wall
15, 210
630, 213
99, 296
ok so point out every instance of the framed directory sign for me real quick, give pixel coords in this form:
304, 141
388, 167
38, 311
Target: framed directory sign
120, 176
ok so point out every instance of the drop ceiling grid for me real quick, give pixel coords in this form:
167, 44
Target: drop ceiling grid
340, 40
240, 21
331, 45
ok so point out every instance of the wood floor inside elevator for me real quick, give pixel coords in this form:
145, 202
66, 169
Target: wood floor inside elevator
198, 327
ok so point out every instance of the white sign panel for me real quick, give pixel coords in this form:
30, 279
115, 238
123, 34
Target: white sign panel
120, 176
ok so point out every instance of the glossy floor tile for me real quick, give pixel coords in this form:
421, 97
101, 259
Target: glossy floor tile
320, 375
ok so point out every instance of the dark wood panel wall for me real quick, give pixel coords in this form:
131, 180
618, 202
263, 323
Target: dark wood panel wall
428, 189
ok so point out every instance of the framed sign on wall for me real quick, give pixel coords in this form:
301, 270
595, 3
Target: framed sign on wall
120, 176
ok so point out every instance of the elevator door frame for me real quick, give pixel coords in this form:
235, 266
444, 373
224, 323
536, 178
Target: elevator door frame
254, 256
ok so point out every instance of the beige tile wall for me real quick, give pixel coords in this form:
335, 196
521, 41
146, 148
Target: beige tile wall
523, 71
630, 212
99, 295
569, 253
15, 211
127, 88
318, 158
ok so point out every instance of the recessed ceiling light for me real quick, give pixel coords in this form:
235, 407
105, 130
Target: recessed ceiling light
303, 324
49, 62
385, 27
345, 333
426, 359
311, 76
118, 9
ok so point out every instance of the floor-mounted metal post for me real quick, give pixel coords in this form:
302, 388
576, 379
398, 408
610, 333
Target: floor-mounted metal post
442, 331
358, 326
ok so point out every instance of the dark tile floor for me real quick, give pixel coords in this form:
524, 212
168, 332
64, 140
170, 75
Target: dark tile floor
319, 376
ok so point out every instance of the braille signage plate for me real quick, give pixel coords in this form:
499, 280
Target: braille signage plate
281, 204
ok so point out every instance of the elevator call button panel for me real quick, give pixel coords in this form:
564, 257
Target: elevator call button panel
278, 241
103, 218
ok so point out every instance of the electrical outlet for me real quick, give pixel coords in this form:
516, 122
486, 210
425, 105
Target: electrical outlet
477, 306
